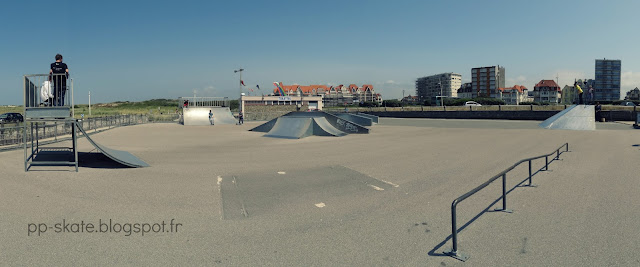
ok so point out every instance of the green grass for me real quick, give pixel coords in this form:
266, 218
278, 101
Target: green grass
153, 107
149, 107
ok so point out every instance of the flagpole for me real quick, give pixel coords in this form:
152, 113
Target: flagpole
239, 89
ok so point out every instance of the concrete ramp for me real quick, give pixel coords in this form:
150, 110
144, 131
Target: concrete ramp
292, 125
122, 157
292, 128
373, 118
576, 117
322, 127
362, 120
200, 115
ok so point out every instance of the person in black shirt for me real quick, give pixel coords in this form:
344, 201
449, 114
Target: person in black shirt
58, 75
598, 110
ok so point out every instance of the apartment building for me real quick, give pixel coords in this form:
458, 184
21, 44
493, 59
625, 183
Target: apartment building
607, 85
466, 91
333, 95
633, 94
547, 91
513, 95
444, 84
485, 81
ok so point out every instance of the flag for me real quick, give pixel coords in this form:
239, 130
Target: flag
242, 82
279, 88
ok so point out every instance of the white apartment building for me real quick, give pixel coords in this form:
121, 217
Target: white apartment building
444, 84
514, 95
547, 91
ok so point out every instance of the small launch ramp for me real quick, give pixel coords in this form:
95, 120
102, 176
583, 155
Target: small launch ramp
302, 124
200, 115
362, 120
322, 127
576, 117
373, 118
122, 157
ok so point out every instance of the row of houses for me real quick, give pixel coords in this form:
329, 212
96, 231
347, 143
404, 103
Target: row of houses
544, 91
332, 95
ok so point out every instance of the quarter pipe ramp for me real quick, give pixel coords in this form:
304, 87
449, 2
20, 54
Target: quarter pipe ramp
200, 116
122, 157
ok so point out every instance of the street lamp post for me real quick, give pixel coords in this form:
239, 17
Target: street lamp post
239, 89
440, 83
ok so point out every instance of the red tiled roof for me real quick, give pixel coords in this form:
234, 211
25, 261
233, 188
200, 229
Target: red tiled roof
520, 88
548, 83
318, 88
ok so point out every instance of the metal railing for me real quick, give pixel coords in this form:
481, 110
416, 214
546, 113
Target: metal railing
11, 134
47, 90
199, 101
454, 229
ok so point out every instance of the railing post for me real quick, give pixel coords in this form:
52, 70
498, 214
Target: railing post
504, 195
558, 154
454, 253
530, 173
567, 147
546, 163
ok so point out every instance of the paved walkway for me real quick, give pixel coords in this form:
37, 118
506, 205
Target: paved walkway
359, 200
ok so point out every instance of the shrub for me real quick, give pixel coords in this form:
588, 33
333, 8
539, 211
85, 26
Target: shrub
391, 103
368, 104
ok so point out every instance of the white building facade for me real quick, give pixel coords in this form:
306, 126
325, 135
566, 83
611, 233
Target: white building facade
444, 84
514, 95
547, 91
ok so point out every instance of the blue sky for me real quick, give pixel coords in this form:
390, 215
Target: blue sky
139, 50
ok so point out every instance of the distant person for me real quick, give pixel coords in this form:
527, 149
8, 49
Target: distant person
240, 118
590, 95
59, 80
598, 109
185, 104
579, 92
210, 117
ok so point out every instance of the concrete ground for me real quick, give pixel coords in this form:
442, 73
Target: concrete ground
381, 199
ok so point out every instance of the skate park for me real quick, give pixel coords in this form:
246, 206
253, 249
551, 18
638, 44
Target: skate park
381, 198
195, 111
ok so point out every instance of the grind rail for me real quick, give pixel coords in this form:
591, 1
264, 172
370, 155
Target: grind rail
454, 229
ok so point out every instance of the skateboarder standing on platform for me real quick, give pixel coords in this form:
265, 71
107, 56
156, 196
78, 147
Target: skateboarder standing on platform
579, 92
211, 117
59, 80
240, 118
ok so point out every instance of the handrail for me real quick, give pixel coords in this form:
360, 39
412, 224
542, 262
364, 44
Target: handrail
454, 231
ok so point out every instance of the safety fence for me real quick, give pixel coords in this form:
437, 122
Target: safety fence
11, 135
48, 90
199, 101
454, 229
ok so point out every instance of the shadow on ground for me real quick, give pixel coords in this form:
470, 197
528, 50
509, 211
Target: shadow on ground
85, 159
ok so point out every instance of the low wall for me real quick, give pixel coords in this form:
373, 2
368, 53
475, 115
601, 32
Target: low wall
268, 112
612, 115
486, 115
538, 113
